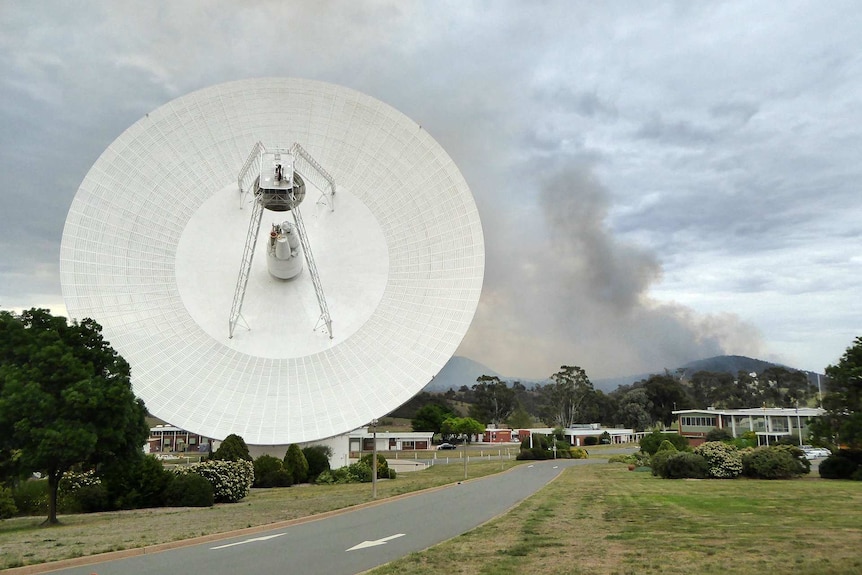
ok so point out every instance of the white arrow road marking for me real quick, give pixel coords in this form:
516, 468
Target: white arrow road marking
249, 541
376, 542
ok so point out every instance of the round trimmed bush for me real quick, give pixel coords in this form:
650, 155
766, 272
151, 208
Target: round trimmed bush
578, 453
650, 442
837, 466
667, 446
769, 462
591, 440
685, 465
189, 490
269, 471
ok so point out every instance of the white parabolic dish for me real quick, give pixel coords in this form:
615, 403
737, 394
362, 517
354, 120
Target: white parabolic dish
153, 243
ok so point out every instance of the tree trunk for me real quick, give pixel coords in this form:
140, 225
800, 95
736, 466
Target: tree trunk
53, 487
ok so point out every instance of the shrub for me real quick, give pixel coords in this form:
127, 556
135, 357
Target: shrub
539, 441
233, 448
657, 462
359, 472
536, 453
317, 457
650, 442
134, 484
838, 466
667, 446
151, 481
639, 459
82, 493
7, 503
591, 440
269, 471
578, 453
770, 462
383, 471
685, 465
230, 480
723, 460
189, 490
31, 497
718, 434
295, 464
803, 466
333, 476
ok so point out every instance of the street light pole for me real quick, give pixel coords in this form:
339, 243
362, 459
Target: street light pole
374, 459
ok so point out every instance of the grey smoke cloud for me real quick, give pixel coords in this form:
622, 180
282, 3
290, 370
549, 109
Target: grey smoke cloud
580, 295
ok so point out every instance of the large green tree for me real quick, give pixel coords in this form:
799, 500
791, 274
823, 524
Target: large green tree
431, 417
564, 400
493, 400
462, 426
65, 397
665, 393
843, 400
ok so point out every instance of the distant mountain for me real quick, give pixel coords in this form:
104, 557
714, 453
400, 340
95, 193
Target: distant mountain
727, 364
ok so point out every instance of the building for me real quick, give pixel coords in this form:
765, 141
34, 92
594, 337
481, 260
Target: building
770, 424
578, 434
167, 438
494, 434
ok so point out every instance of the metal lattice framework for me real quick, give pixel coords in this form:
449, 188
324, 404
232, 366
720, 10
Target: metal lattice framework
153, 239
314, 173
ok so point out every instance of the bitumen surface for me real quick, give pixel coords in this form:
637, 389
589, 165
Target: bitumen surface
346, 542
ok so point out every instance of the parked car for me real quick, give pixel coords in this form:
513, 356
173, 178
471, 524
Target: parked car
446, 446
815, 452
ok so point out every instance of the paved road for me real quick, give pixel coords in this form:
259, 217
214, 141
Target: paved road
351, 542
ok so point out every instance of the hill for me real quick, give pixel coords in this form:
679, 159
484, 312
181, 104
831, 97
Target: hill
460, 371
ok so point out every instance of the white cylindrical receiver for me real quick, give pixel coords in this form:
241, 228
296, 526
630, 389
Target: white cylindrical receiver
282, 247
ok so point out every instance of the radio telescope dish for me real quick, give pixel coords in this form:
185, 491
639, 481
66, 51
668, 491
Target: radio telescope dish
155, 246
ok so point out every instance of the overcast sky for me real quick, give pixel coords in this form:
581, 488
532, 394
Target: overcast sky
658, 182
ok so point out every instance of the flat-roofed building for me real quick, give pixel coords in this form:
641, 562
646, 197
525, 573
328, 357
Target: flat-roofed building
770, 424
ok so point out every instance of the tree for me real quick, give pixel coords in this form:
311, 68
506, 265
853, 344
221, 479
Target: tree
520, 418
233, 448
466, 426
295, 464
493, 400
564, 398
65, 397
665, 393
431, 417
635, 409
843, 400
317, 457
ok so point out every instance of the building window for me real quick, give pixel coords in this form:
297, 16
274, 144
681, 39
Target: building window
694, 421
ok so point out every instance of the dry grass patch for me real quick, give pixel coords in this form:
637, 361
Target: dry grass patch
604, 519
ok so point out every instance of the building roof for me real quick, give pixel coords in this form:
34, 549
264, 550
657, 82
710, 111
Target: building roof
759, 411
